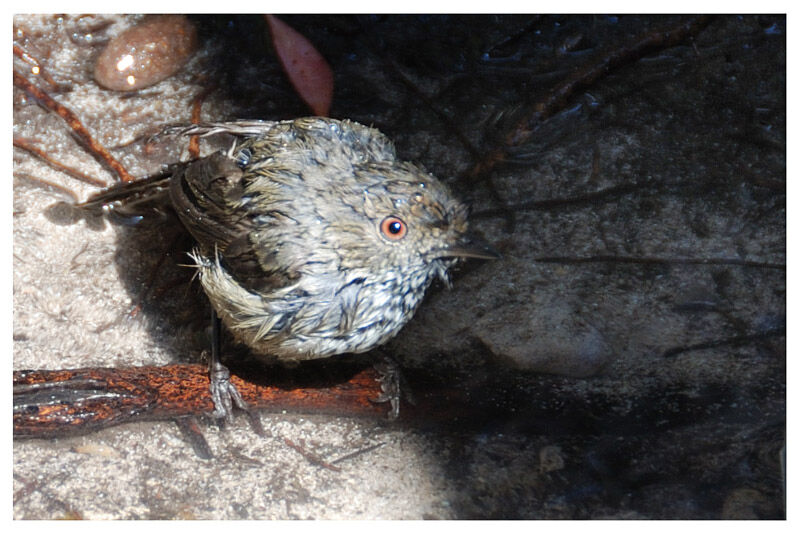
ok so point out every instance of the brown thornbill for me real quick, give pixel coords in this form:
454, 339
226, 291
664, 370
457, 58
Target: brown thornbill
313, 239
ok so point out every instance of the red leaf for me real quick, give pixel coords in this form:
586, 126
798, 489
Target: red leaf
308, 71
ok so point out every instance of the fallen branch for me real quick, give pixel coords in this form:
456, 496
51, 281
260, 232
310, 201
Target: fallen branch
77, 401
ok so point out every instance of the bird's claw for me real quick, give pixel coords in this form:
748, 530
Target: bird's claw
393, 386
224, 394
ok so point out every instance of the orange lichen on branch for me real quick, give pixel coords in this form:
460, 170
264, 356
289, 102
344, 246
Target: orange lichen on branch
84, 400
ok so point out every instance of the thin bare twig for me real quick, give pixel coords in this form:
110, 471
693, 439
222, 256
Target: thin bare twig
359, 452
310, 456
27, 146
36, 67
41, 182
197, 108
80, 131
728, 342
558, 98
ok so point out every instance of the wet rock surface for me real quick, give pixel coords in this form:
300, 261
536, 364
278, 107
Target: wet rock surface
625, 358
146, 54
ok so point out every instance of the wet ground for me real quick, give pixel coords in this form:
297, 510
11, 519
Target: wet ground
625, 359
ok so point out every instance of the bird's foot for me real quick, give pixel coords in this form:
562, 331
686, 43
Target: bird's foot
224, 394
393, 386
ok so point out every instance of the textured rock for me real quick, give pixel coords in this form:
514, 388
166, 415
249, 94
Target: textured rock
549, 338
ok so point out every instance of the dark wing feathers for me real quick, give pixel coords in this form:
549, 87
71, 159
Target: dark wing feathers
204, 195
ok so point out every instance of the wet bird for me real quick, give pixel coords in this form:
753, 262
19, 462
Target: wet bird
313, 238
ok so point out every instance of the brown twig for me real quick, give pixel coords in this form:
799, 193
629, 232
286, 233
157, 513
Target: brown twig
36, 67
50, 404
197, 107
47, 184
26, 145
359, 452
559, 96
76, 401
80, 131
310, 456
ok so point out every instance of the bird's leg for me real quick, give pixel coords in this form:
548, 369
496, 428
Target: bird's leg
223, 393
393, 385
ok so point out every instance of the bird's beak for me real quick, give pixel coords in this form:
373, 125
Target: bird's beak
468, 247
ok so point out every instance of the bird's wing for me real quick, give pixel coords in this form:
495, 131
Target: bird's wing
207, 196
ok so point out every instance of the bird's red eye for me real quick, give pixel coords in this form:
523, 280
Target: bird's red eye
393, 228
